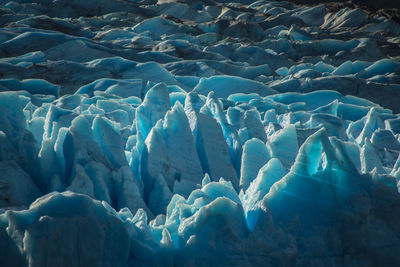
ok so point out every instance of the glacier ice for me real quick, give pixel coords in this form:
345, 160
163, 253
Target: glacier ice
255, 155
44, 225
187, 189
194, 133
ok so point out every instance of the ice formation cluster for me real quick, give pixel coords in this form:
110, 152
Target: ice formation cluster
189, 133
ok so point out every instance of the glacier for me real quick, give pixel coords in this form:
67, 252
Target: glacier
198, 133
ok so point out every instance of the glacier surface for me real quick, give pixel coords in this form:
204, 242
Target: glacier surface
198, 133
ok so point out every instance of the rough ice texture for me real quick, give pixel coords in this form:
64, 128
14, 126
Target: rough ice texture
198, 134
310, 190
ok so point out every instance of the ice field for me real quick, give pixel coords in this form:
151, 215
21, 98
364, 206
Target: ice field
198, 133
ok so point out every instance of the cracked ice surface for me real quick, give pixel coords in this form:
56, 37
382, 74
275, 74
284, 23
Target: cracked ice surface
178, 133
